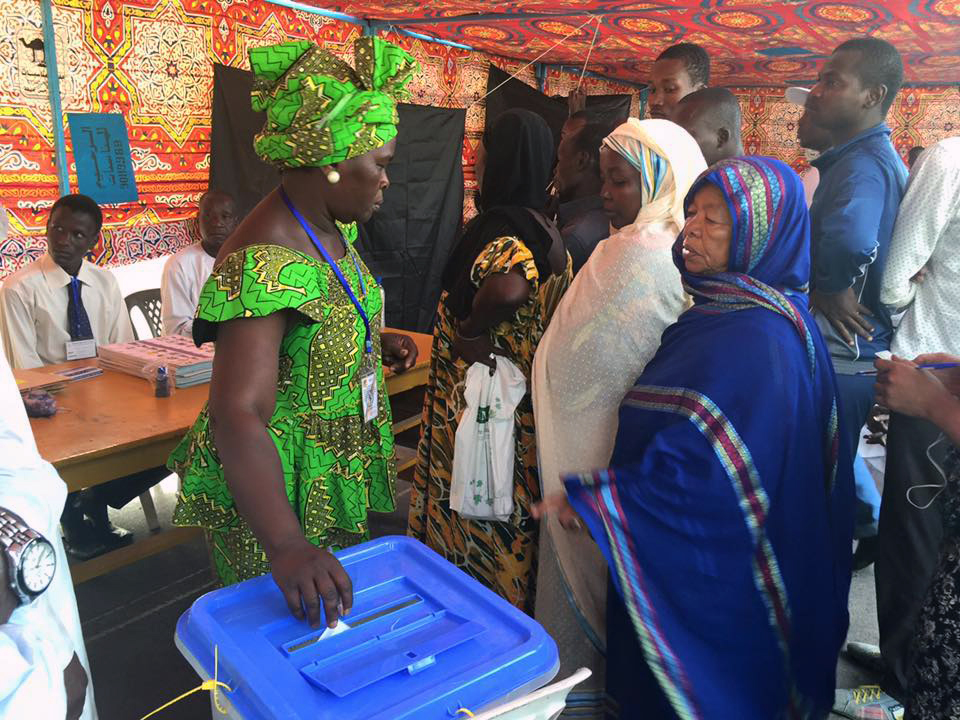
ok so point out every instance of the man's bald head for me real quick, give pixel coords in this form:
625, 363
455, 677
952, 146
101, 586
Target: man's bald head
712, 117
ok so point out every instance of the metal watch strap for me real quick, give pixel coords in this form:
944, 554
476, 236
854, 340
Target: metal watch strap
14, 532
15, 535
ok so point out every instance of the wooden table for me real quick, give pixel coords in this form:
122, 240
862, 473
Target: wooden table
112, 425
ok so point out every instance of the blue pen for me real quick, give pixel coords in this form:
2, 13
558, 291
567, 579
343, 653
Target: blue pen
925, 366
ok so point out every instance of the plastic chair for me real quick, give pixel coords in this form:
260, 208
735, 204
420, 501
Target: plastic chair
148, 303
545, 704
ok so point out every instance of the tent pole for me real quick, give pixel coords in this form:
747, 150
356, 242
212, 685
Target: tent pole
372, 27
541, 70
486, 17
53, 88
388, 27
342, 17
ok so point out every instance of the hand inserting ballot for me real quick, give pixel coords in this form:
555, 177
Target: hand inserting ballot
308, 575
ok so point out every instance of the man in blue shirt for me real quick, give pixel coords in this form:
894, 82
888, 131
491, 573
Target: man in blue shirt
862, 180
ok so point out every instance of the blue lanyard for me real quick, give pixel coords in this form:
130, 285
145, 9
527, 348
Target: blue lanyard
368, 343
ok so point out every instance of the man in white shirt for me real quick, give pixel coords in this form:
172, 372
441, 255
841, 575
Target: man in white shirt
61, 306
921, 279
923, 268
44, 672
185, 273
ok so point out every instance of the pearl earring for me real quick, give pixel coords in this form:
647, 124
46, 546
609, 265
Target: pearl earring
333, 177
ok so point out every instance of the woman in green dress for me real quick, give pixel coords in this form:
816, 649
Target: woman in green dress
295, 444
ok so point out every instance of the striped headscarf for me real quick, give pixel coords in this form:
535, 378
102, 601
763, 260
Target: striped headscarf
769, 263
770, 239
668, 160
320, 110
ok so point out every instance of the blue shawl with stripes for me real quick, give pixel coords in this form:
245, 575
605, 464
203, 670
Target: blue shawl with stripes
726, 514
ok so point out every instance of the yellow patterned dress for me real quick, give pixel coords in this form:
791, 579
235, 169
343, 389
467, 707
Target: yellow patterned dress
335, 465
501, 555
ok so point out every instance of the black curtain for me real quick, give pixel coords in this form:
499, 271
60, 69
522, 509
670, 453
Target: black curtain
234, 166
407, 243
517, 94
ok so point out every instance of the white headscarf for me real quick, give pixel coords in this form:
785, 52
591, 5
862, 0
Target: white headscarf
668, 160
606, 328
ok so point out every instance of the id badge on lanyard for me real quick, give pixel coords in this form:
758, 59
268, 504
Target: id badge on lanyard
369, 391
81, 349
368, 388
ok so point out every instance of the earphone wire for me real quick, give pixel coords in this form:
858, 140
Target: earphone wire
939, 486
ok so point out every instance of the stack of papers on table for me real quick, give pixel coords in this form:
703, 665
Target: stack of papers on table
28, 380
186, 364
81, 373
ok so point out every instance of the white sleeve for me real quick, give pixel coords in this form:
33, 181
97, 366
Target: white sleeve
36, 493
18, 330
178, 305
34, 651
925, 211
30, 668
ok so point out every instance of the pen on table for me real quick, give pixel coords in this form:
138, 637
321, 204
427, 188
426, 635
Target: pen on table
925, 366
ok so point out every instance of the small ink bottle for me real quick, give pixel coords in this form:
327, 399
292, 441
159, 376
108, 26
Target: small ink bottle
163, 383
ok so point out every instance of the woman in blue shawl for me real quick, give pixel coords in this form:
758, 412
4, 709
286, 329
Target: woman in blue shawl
725, 517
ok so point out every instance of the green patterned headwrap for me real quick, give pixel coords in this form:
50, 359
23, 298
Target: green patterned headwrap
320, 110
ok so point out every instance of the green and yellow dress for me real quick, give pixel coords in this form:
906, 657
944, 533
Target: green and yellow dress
336, 467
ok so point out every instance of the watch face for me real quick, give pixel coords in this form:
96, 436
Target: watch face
37, 566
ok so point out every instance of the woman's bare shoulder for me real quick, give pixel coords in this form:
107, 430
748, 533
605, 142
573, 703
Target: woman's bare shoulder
269, 223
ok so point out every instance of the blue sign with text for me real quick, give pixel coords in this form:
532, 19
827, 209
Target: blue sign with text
101, 150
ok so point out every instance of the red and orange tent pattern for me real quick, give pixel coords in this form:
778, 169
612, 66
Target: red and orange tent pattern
751, 42
152, 60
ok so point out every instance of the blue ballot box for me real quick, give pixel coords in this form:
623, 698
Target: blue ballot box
424, 640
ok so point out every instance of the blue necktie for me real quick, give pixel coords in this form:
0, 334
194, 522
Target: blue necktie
77, 319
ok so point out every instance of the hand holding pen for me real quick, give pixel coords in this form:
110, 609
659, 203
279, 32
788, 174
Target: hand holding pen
920, 387
919, 366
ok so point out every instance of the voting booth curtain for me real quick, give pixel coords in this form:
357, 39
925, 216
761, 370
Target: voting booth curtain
509, 93
408, 241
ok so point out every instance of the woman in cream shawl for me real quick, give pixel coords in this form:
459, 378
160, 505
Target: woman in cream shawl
606, 328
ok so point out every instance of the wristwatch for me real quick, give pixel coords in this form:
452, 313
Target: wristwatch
31, 559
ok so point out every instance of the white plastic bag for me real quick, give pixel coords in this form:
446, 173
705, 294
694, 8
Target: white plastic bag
482, 484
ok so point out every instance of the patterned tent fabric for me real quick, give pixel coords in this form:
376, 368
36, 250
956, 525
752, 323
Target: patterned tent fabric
757, 42
152, 60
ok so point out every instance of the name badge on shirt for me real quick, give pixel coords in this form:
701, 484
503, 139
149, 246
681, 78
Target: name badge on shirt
368, 390
81, 349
